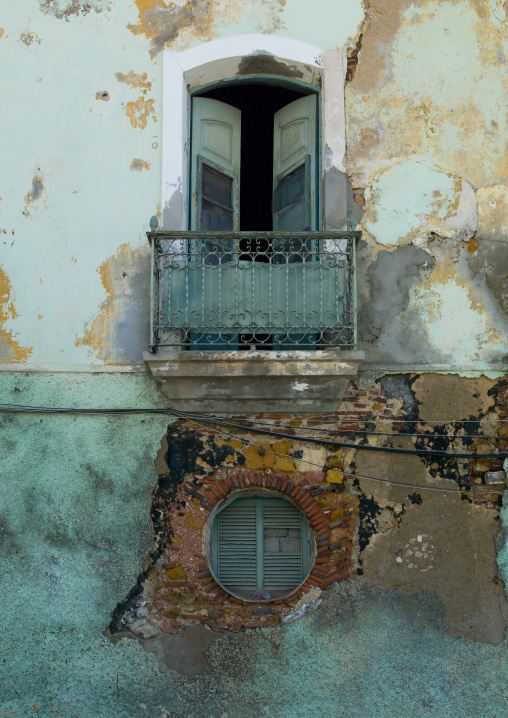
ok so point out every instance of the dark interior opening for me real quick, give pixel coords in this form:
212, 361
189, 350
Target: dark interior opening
258, 104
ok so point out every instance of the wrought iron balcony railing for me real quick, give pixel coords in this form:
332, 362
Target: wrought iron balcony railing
271, 290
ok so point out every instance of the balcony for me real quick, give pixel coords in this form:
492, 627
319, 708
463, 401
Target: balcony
247, 320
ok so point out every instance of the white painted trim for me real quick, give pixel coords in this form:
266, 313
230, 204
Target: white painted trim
177, 67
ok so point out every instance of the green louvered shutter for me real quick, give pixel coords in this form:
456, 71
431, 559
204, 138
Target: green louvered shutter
283, 547
260, 548
237, 548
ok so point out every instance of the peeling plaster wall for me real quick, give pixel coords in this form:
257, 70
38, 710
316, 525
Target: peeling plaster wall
423, 167
426, 158
82, 144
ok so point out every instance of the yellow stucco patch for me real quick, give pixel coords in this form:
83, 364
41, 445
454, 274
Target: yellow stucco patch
1, 31
176, 574
259, 457
281, 462
333, 476
192, 521
472, 245
325, 500
139, 111
234, 443
336, 514
285, 465
10, 349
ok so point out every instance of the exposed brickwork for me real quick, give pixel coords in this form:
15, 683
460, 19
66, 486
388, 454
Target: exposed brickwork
183, 589
199, 467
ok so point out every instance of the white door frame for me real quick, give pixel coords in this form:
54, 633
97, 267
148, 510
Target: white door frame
218, 60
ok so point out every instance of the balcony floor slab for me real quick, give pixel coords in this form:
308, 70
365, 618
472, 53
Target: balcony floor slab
248, 382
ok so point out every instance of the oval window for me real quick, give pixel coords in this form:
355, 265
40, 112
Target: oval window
261, 548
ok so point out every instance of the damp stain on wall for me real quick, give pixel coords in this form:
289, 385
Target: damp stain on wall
10, 349
119, 332
34, 194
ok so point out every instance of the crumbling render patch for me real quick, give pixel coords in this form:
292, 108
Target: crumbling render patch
197, 471
139, 111
162, 22
27, 38
64, 9
135, 80
10, 349
138, 165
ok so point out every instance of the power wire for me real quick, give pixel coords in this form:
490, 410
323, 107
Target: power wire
357, 432
11, 408
348, 445
347, 474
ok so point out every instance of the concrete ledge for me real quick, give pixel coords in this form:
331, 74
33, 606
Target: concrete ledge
247, 382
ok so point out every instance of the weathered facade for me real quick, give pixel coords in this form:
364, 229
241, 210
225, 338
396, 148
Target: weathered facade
392, 444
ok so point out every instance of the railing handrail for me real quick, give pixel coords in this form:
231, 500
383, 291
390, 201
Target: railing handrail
332, 234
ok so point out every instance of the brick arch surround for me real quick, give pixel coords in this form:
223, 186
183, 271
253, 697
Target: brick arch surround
322, 573
178, 589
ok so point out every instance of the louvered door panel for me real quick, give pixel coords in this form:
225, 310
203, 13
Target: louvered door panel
282, 547
236, 548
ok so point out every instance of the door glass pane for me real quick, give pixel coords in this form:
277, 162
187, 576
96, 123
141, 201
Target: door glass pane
291, 188
217, 187
293, 218
291, 203
215, 218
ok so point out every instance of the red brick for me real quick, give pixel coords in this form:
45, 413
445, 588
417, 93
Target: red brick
317, 574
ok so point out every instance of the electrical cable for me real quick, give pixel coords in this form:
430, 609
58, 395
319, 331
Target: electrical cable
347, 474
6, 408
363, 447
357, 432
